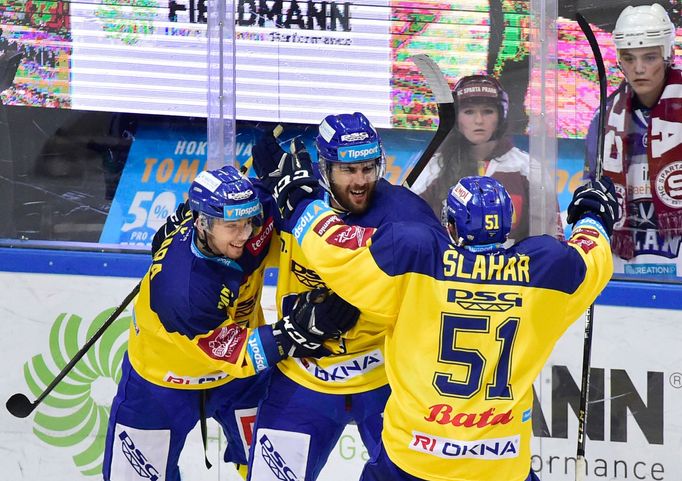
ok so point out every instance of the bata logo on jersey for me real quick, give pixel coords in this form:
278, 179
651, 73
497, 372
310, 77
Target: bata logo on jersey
256, 245
136, 459
275, 461
346, 370
326, 222
307, 277
442, 414
354, 137
240, 195
668, 185
224, 343
584, 243
351, 237
485, 300
173, 378
497, 448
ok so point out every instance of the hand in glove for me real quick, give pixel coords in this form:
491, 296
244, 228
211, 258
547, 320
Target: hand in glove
317, 315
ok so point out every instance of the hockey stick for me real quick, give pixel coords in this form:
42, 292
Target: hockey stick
580, 464
20, 406
446, 111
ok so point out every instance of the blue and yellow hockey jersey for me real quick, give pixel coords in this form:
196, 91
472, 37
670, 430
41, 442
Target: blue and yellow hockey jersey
359, 367
194, 314
466, 333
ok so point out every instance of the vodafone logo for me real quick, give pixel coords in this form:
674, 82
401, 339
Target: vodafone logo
669, 185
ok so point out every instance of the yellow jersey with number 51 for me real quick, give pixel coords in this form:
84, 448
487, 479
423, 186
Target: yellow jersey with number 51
467, 332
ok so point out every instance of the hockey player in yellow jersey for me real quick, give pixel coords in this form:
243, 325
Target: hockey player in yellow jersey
198, 344
310, 401
469, 324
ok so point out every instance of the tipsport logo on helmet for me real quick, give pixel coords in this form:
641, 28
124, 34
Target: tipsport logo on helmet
359, 153
248, 209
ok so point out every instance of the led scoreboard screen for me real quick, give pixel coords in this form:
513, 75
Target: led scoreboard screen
296, 60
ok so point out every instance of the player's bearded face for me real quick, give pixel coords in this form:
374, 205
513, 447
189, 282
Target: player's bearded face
353, 184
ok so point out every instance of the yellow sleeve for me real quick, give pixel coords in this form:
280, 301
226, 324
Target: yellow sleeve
341, 254
592, 243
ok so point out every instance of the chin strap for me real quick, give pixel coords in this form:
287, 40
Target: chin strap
203, 243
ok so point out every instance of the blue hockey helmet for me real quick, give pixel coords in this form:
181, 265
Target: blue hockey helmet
481, 210
224, 194
483, 89
348, 138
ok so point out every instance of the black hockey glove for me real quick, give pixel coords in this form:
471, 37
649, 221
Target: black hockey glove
317, 315
172, 222
297, 181
268, 159
597, 197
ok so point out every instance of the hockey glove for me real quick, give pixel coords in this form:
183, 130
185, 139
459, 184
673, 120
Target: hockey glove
298, 182
317, 315
268, 159
173, 221
597, 197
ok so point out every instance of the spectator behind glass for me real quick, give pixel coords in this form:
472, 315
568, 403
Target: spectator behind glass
479, 145
643, 147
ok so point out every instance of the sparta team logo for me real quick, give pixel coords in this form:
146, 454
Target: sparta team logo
669, 185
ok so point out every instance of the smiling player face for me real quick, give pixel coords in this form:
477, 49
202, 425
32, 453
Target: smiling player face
227, 238
353, 184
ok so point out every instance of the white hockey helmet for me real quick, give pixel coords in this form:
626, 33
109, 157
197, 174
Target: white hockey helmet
645, 26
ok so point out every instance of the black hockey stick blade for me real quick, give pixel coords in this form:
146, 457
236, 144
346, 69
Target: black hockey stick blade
601, 73
440, 88
20, 406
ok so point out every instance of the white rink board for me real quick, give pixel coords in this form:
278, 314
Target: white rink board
29, 305
628, 344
